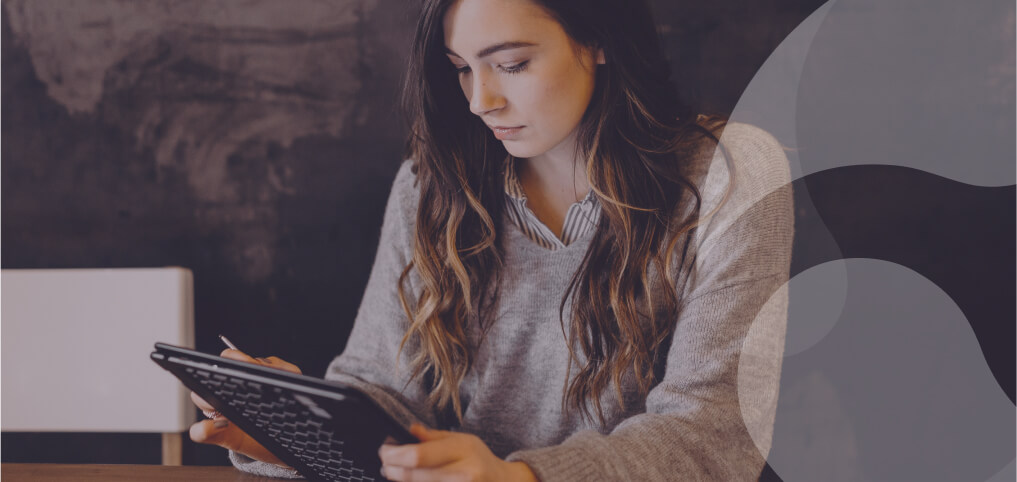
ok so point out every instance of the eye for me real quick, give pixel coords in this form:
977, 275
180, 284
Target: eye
515, 69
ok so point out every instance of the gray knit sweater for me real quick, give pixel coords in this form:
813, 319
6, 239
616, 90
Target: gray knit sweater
710, 416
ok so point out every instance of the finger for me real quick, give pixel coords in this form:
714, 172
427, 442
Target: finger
276, 362
433, 453
203, 431
238, 356
225, 434
201, 403
403, 474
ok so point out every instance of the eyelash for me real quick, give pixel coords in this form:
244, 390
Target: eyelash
508, 70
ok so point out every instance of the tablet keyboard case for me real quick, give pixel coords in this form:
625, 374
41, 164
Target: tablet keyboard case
301, 425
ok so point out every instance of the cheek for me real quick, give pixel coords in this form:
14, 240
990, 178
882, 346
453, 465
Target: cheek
565, 96
536, 95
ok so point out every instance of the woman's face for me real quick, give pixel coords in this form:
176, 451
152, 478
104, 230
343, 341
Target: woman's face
517, 67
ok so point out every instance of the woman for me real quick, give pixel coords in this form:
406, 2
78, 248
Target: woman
596, 291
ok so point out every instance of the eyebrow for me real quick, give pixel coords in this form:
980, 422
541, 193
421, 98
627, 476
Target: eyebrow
496, 48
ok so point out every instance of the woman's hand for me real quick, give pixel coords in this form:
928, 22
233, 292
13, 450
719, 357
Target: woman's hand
442, 455
219, 431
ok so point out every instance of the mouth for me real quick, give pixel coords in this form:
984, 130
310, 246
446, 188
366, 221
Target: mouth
506, 133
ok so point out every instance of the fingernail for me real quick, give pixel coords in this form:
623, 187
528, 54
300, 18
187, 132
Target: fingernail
382, 470
220, 423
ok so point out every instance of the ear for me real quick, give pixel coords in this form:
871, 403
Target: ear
600, 57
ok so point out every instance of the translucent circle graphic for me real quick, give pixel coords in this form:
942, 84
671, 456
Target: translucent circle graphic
898, 389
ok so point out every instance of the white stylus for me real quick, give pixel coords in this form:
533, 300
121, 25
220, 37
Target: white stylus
228, 342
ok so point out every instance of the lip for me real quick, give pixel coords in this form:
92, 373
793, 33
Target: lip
506, 133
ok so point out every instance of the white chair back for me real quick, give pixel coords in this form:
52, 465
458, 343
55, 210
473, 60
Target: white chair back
76, 345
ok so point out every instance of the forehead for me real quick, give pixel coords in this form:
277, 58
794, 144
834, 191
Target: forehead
471, 25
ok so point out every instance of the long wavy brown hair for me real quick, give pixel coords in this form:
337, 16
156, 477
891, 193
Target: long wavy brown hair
635, 136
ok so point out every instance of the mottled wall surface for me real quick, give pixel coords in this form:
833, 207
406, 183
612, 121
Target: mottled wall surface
254, 142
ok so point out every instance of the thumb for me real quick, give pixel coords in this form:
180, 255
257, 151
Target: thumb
425, 434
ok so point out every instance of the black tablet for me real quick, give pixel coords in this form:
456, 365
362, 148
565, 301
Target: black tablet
324, 429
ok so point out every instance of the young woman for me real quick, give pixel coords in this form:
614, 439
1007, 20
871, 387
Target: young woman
575, 279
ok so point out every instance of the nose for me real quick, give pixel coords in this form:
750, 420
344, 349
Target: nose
485, 96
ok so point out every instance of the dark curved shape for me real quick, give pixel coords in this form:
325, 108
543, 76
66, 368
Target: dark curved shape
959, 236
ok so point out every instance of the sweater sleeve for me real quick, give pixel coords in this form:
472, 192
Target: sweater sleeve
369, 360
711, 415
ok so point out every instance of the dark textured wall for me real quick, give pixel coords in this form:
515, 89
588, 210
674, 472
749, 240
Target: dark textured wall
255, 142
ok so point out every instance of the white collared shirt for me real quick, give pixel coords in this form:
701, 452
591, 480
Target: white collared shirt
581, 218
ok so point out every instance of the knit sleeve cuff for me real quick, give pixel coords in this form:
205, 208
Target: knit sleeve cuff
263, 469
568, 462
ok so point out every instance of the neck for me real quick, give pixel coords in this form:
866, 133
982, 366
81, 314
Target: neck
556, 176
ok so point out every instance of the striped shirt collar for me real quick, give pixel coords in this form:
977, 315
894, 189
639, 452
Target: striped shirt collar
581, 218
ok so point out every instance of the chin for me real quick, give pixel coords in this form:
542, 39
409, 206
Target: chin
520, 150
